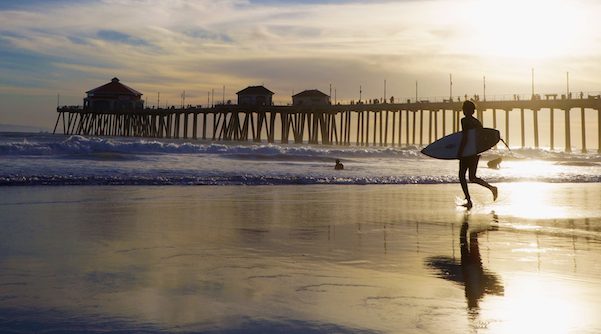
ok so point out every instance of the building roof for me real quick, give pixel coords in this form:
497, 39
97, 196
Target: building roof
310, 93
255, 90
114, 87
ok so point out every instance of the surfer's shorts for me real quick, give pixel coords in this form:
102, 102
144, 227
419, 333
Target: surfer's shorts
467, 162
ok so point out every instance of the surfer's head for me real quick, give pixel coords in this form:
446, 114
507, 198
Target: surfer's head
468, 107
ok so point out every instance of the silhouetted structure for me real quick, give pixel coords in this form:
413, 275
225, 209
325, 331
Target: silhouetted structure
310, 98
255, 96
113, 96
409, 123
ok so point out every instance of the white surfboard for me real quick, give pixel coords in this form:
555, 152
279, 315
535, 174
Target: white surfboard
478, 141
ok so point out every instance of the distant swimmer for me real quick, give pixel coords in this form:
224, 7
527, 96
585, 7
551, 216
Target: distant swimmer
470, 162
495, 163
339, 165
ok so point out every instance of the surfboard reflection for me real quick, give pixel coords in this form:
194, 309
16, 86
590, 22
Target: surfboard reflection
468, 271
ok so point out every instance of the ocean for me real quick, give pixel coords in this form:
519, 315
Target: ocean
45, 159
137, 235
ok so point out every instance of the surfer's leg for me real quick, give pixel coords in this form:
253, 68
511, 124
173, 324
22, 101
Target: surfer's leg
463, 167
473, 168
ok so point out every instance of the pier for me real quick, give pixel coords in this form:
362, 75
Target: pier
382, 124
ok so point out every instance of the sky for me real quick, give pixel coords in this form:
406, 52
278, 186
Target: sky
53, 51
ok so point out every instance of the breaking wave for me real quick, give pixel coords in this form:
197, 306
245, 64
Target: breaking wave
79, 145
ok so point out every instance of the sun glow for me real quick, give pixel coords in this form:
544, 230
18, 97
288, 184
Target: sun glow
534, 304
530, 200
527, 29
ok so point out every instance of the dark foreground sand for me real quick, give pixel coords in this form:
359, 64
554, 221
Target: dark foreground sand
300, 259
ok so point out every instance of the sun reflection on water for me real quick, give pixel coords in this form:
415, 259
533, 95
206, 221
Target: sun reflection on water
538, 304
530, 200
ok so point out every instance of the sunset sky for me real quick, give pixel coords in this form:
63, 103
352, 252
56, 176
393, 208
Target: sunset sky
68, 47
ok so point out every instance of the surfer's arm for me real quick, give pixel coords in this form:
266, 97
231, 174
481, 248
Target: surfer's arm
463, 138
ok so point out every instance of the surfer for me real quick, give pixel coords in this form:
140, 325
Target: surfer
470, 163
339, 165
494, 163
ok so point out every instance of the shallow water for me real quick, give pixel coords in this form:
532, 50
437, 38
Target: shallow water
43, 159
321, 259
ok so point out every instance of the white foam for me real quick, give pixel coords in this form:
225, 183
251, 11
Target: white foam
48, 159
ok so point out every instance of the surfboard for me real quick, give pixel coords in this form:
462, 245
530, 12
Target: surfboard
478, 141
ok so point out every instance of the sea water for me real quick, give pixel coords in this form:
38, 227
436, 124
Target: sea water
45, 159
287, 250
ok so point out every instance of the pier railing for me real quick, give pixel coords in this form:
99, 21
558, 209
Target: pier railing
359, 124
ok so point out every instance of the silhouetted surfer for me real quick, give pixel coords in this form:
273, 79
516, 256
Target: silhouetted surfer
470, 163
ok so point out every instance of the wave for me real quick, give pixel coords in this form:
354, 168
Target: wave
251, 180
579, 158
49, 145
74, 145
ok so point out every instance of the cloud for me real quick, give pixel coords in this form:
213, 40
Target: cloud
119, 37
169, 46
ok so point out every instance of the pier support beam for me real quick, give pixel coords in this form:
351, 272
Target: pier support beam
195, 126
507, 127
457, 118
362, 127
343, 128
421, 126
358, 136
381, 125
523, 127
367, 129
414, 120
204, 125
429, 126
400, 122
57, 119
376, 127
407, 127
186, 125
386, 130
393, 126
444, 123
552, 128
583, 125
598, 130
567, 131
535, 121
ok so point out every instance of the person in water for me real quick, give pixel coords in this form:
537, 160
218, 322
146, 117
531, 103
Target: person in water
339, 165
470, 163
494, 164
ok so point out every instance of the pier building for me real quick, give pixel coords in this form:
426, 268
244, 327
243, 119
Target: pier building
310, 98
255, 96
113, 96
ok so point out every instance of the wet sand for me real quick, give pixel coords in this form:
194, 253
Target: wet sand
300, 259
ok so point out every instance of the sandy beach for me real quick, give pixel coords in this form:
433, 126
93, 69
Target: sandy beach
300, 259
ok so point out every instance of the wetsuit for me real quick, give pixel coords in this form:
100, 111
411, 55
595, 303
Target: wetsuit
471, 162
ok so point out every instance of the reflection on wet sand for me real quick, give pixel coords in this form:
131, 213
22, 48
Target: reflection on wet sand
315, 259
469, 271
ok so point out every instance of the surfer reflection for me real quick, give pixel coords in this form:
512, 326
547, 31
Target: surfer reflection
471, 162
469, 272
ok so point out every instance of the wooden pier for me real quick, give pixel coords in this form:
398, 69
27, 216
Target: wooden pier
359, 124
